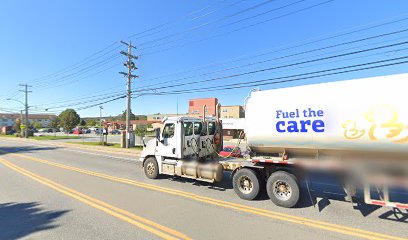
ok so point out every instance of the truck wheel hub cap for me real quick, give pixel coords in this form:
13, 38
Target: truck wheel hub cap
245, 184
282, 190
150, 168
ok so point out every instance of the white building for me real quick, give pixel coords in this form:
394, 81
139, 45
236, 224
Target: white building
233, 127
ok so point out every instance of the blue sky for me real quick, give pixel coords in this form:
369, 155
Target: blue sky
200, 39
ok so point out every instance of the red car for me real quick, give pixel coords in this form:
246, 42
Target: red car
230, 151
77, 131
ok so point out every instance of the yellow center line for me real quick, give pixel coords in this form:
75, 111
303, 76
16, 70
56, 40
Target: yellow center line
239, 207
157, 229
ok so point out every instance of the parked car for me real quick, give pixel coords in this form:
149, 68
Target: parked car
10, 132
115, 131
98, 131
41, 130
77, 131
231, 151
86, 130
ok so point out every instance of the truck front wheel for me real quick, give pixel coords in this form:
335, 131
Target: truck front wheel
283, 189
246, 184
151, 168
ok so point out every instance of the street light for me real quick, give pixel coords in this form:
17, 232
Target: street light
11, 99
21, 114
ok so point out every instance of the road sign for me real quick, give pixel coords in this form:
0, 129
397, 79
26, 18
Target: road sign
22, 126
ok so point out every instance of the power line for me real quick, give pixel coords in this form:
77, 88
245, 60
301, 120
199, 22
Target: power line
236, 30
270, 81
76, 65
93, 57
283, 57
345, 43
291, 46
174, 21
83, 70
93, 100
229, 24
297, 77
399, 20
206, 24
275, 67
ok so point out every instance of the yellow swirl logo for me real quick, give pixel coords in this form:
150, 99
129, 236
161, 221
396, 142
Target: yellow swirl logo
383, 121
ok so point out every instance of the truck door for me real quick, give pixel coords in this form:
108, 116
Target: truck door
195, 140
168, 144
203, 140
210, 139
188, 135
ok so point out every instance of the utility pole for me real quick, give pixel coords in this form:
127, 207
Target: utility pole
130, 65
100, 116
100, 124
21, 120
25, 90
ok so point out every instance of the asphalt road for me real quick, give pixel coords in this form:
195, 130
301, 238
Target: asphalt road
54, 192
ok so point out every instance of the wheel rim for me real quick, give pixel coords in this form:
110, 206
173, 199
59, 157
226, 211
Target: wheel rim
282, 190
150, 169
245, 184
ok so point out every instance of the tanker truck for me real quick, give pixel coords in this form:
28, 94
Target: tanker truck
356, 129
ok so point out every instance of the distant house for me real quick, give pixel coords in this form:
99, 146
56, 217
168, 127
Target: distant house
9, 119
134, 124
232, 111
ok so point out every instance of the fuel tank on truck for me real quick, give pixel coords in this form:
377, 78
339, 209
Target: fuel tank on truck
369, 114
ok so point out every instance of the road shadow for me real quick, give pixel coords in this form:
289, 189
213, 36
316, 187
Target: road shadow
396, 215
18, 220
318, 195
24, 149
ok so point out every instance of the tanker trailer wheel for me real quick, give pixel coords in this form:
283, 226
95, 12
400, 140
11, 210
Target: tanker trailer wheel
246, 183
283, 189
151, 168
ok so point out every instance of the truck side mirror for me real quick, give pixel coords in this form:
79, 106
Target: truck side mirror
157, 133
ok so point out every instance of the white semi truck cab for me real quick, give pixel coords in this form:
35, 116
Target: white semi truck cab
185, 147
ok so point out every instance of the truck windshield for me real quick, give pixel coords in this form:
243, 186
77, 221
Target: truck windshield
197, 128
188, 129
211, 128
204, 129
168, 131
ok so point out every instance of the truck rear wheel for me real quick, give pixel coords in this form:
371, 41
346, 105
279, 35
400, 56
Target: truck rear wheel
151, 168
283, 189
246, 183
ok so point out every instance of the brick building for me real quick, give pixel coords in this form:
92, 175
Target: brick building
232, 111
195, 107
159, 116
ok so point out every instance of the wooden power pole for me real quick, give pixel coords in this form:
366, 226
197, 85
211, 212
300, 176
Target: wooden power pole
130, 65
25, 90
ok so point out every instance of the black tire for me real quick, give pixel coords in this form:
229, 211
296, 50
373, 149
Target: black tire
242, 189
290, 193
151, 168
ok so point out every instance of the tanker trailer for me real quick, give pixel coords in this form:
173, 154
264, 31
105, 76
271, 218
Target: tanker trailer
358, 128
